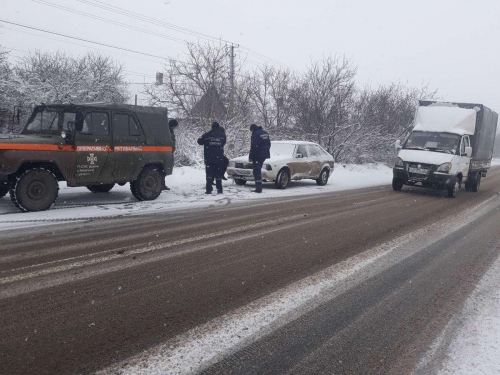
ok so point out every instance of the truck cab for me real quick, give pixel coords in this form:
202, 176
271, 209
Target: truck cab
451, 145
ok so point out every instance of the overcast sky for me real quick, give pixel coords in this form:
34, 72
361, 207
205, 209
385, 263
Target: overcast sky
451, 45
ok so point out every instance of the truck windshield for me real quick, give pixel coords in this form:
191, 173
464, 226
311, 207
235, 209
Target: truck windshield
49, 121
430, 141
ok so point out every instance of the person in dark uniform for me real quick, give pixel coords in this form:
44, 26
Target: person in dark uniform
172, 124
213, 152
259, 152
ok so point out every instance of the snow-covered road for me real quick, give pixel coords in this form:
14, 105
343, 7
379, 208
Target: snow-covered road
187, 192
475, 339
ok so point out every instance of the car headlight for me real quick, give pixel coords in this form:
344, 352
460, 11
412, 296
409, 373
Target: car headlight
399, 163
268, 167
231, 164
445, 168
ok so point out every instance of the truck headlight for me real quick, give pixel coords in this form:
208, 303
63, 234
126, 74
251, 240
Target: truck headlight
399, 163
445, 168
268, 167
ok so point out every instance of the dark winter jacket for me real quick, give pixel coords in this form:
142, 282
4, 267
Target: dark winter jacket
260, 145
172, 136
213, 142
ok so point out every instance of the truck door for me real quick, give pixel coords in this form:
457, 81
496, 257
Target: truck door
464, 159
94, 161
128, 139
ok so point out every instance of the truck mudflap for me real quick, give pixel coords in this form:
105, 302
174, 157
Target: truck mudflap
432, 179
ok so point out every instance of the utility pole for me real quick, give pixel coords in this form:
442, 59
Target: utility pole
231, 77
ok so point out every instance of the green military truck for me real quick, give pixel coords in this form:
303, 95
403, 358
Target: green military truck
96, 145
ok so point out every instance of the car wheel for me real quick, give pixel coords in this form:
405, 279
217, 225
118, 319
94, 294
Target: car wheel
322, 180
397, 184
283, 179
3, 190
453, 189
35, 190
104, 188
239, 181
148, 185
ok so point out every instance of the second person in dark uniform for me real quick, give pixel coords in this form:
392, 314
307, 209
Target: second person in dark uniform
259, 152
213, 143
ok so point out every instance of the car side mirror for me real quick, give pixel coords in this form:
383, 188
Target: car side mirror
397, 145
299, 156
468, 151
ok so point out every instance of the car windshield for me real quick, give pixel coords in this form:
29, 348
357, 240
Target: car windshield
282, 149
49, 121
440, 142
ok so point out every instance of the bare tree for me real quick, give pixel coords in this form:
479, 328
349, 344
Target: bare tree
205, 71
59, 78
271, 91
323, 103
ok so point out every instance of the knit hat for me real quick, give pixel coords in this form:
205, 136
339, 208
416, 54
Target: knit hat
173, 123
253, 127
215, 125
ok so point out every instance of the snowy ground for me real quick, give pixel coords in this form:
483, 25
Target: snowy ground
187, 191
476, 347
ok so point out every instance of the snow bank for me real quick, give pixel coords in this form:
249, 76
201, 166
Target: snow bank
476, 348
187, 186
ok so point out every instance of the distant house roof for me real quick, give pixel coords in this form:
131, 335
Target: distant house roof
210, 105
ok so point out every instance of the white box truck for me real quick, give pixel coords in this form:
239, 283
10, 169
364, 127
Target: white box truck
451, 144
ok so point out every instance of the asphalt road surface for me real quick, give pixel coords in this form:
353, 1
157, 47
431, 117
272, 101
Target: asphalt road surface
76, 298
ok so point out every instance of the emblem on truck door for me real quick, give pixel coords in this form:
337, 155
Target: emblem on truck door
92, 158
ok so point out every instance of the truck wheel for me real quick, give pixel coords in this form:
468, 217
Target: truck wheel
476, 184
239, 181
283, 179
453, 189
397, 184
3, 190
35, 190
322, 180
148, 185
104, 188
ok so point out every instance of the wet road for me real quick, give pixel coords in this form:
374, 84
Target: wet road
76, 298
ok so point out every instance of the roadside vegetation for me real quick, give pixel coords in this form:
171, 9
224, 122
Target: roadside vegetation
324, 105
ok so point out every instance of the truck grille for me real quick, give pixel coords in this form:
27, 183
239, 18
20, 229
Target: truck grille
243, 165
423, 170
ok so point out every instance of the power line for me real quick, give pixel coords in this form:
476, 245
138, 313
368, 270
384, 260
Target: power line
78, 44
43, 2
141, 17
83, 40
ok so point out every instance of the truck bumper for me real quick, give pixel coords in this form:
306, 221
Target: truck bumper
433, 179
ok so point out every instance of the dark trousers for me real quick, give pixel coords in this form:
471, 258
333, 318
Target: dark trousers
214, 171
257, 173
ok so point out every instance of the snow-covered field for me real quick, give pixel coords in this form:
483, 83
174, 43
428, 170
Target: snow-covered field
187, 186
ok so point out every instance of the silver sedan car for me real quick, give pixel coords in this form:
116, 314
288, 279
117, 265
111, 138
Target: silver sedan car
290, 160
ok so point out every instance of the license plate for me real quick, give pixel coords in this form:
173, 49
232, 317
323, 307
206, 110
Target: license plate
244, 172
418, 170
